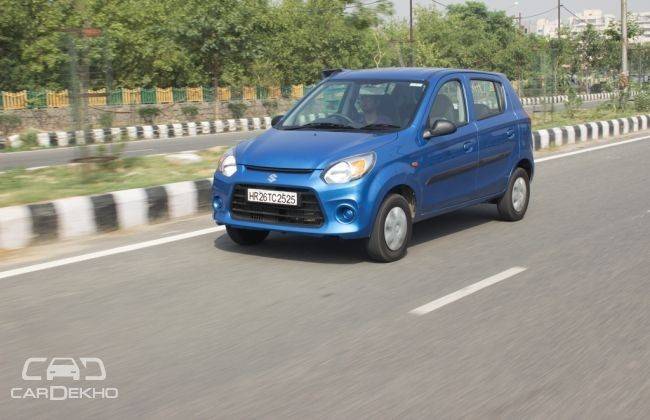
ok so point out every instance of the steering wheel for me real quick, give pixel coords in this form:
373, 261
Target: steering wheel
345, 118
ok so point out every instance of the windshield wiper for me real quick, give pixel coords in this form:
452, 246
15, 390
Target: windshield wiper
320, 125
380, 126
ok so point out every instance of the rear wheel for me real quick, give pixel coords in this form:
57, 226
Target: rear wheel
514, 203
246, 236
391, 230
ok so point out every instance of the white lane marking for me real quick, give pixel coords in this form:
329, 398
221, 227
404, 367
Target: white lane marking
591, 149
137, 150
466, 291
106, 253
134, 247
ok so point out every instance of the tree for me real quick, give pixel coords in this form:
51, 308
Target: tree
591, 52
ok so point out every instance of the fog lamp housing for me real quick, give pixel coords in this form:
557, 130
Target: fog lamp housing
346, 213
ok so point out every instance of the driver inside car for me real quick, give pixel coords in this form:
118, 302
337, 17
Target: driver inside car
370, 110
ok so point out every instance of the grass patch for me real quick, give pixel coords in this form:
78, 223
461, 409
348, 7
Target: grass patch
20, 186
542, 120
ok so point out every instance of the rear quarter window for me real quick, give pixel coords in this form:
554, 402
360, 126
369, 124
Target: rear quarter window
488, 98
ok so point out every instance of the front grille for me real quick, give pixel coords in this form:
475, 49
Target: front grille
306, 213
287, 170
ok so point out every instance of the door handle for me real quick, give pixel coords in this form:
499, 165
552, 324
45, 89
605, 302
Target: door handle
468, 146
510, 133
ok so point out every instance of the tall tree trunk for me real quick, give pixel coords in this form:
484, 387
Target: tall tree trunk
216, 70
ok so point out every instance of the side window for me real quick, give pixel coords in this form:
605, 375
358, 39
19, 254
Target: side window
450, 104
488, 98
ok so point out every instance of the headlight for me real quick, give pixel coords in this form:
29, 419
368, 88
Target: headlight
227, 164
349, 169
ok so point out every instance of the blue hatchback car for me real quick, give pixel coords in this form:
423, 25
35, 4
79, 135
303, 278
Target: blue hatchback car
369, 152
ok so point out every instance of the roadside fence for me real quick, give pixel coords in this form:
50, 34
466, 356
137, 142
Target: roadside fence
28, 99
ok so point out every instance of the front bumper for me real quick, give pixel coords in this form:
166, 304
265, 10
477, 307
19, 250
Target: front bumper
333, 200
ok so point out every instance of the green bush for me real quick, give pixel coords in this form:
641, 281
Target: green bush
29, 138
271, 106
572, 104
9, 123
190, 111
237, 109
642, 102
105, 120
149, 113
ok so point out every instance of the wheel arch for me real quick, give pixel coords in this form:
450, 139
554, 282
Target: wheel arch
408, 193
526, 165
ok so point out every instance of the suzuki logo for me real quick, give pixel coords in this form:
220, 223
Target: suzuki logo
272, 178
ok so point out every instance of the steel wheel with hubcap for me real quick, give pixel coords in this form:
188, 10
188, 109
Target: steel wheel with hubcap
395, 228
391, 230
519, 194
514, 203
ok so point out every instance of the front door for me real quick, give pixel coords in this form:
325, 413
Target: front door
448, 166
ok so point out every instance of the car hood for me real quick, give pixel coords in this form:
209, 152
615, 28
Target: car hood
306, 149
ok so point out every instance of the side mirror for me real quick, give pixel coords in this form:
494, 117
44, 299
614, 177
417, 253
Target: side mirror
439, 128
276, 120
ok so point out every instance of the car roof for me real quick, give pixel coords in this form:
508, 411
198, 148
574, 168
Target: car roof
403, 73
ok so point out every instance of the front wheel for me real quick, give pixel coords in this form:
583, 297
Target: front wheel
514, 203
391, 230
246, 236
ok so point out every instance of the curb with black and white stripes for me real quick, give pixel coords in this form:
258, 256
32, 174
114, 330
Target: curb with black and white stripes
139, 132
71, 217
558, 99
65, 218
559, 136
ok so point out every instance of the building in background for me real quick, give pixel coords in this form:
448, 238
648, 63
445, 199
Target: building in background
593, 17
546, 27
600, 22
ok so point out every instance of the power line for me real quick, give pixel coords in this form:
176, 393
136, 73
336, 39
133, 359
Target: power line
574, 15
363, 4
540, 13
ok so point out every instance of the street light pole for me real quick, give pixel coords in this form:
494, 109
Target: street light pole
624, 70
411, 33
559, 24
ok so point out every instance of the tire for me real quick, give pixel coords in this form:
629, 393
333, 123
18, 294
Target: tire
246, 236
378, 247
511, 209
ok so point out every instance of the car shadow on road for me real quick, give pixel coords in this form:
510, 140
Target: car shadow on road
323, 250
450, 223
326, 250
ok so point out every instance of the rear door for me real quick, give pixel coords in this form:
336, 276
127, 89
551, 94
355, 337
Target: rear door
497, 134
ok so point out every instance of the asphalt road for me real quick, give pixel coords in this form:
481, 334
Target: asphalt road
64, 155
307, 328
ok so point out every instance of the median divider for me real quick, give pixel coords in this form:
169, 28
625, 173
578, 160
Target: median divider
558, 99
570, 134
163, 131
71, 217
140, 132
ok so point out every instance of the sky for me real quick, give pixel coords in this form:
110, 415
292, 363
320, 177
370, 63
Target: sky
531, 7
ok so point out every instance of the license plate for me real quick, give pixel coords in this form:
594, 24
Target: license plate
285, 198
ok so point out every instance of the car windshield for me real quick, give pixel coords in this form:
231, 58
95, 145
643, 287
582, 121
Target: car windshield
357, 105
